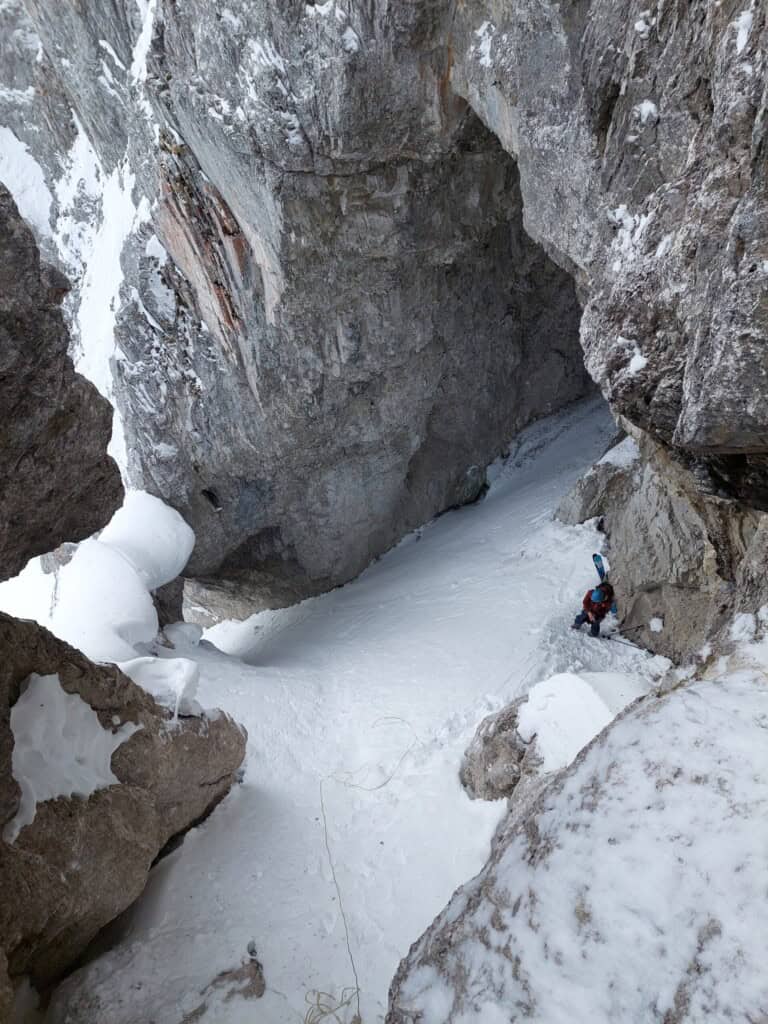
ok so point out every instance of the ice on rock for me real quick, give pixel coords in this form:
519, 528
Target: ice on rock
171, 681
60, 748
647, 111
743, 627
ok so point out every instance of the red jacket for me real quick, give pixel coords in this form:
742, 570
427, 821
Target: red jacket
598, 609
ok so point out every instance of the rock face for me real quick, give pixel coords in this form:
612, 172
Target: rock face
611, 854
640, 134
58, 482
343, 320
82, 861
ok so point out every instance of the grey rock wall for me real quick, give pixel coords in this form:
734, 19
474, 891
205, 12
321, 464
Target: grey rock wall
352, 322
356, 317
640, 133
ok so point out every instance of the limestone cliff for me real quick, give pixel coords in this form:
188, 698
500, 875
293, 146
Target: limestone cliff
343, 320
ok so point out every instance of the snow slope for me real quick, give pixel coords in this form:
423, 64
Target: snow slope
359, 705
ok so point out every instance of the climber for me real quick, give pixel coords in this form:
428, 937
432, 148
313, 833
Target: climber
595, 606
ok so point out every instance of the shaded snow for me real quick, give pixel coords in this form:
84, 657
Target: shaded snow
103, 607
141, 48
743, 627
171, 681
152, 536
23, 177
60, 748
743, 28
99, 601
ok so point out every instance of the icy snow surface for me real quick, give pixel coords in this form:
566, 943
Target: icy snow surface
60, 748
370, 695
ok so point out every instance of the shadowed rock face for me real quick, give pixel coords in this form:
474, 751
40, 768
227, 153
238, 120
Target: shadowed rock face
58, 482
82, 861
640, 132
357, 322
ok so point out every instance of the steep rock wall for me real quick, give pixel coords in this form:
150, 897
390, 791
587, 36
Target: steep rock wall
350, 321
346, 318
640, 133
55, 427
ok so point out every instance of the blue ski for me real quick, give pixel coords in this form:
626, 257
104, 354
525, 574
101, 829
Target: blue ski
597, 559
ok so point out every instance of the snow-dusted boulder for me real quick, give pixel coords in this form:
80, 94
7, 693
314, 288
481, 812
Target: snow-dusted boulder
498, 759
632, 889
516, 749
95, 778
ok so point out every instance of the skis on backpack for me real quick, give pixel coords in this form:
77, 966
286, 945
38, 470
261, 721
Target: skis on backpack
602, 572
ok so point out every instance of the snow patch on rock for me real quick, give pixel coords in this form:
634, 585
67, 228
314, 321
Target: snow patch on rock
60, 748
23, 177
743, 25
564, 714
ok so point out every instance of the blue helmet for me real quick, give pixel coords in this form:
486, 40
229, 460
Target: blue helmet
597, 596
